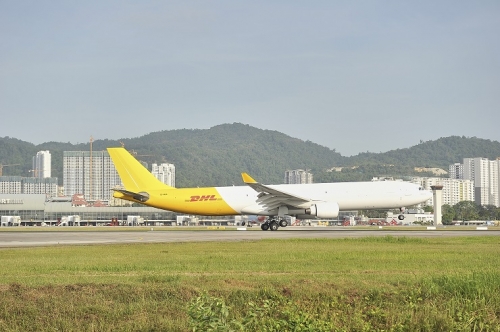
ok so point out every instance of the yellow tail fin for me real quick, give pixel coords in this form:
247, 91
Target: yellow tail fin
134, 176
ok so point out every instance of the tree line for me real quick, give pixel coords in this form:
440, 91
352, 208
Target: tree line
217, 156
467, 211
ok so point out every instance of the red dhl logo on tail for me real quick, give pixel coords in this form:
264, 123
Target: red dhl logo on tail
202, 198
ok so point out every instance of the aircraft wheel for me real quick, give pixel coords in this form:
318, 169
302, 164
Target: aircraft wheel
401, 217
264, 226
274, 226
283, 223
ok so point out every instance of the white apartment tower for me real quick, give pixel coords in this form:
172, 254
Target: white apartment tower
494, 182
478, 171
454, 190
42, 165
456, 171
165, 173
91, 175
298, 176
485, 174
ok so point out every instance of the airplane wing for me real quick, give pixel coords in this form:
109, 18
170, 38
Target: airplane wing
272, 198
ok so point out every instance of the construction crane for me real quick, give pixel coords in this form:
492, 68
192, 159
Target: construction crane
134, 153
2, 166
34, 171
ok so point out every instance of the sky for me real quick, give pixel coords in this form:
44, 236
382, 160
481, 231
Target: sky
354, 76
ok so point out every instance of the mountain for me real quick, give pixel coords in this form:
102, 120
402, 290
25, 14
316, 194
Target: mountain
202, 157
217, 156
14, 152
439, 153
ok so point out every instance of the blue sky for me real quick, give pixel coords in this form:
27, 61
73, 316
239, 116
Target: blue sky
354, 76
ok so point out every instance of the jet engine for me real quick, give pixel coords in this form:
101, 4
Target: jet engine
324, 210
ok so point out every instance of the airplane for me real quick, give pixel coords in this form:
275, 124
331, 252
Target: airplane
304, 201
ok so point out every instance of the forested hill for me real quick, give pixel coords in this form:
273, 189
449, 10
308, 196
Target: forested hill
202, 157
439, 153
217, 156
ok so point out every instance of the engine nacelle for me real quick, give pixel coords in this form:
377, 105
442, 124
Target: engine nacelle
324, 210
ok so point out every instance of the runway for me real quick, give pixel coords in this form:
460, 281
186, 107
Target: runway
62, 238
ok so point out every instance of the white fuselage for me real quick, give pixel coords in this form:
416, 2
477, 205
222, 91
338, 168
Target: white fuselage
348, 195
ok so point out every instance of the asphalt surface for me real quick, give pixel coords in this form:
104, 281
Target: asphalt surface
46, 238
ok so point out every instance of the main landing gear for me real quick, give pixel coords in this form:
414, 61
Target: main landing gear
273, 224
401, 216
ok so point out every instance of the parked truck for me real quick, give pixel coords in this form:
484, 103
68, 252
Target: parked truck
7, 221
70, 221
135, 221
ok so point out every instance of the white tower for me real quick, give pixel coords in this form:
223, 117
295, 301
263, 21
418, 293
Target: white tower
437, 192
42, 165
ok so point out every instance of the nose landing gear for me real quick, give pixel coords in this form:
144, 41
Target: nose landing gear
401, 216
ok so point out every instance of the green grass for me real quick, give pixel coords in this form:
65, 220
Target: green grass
374, 283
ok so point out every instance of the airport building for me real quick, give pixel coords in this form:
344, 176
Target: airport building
37, 210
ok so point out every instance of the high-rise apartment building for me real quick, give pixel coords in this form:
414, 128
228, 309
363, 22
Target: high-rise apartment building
298, 176
478, 171
93, 175
11, 184
485, 174
165, 173
23, 185
494, 182
46, 186
456, 171
42, 165
454, 190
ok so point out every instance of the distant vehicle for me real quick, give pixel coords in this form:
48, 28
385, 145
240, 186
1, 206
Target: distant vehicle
7, 221
304, 201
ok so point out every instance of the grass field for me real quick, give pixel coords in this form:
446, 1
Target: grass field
366, 284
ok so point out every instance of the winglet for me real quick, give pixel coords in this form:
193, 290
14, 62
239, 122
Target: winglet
247, 178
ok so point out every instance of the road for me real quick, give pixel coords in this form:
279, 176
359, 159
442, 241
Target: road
46, 238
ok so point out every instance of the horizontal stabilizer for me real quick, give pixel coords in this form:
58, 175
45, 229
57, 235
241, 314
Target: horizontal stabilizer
141, 197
